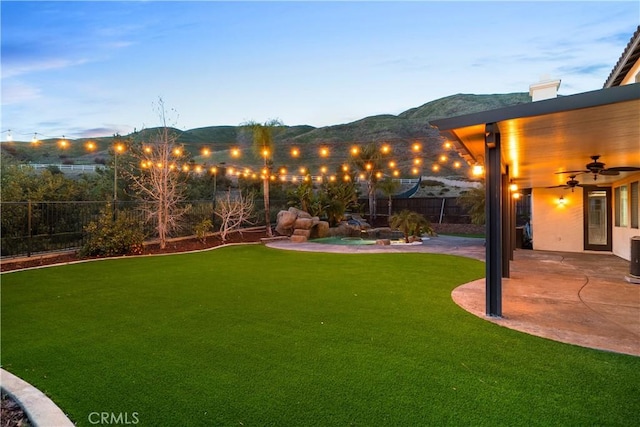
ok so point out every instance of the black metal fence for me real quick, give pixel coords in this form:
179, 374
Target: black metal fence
33, 227
435, 209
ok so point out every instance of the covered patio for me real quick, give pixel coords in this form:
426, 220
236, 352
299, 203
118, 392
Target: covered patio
535, 146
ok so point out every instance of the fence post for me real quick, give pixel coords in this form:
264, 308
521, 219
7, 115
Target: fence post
442, 210
29, 233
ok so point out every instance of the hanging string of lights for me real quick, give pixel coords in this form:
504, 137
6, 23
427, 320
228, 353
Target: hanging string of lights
330, 168
35, 139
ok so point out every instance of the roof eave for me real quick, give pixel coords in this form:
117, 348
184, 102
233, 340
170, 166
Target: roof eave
626, 61
549, 106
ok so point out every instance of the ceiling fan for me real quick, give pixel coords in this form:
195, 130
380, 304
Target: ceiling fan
571, 184
598, 168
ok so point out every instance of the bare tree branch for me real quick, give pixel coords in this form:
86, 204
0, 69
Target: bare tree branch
234, 213
157, 177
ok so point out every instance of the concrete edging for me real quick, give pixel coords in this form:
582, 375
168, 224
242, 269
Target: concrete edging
39, 408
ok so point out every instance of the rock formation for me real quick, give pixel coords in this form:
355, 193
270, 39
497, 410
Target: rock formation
300, 225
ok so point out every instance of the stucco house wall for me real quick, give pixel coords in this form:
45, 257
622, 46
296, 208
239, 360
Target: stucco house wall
621, 236
556, 226
559, 227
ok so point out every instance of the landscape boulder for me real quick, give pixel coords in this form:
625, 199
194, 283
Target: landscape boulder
300, 225
285, 222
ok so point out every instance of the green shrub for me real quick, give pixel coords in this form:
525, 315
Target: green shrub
411, 224
202, 228
108, 236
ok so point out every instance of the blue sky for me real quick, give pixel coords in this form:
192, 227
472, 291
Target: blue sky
84, 69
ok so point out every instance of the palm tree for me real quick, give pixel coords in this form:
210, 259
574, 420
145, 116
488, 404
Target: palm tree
368, 161
263, 146
474, 201
389, 187
410, 223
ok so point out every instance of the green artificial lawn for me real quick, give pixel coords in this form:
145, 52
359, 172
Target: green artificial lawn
247, 335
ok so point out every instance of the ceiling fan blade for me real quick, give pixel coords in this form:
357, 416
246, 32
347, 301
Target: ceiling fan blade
559, 186
576, 172
609, 172
624, 169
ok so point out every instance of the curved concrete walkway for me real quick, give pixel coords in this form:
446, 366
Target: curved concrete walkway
463, 246
575, 298
39, 408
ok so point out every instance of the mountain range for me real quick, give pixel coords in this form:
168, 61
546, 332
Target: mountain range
399, 131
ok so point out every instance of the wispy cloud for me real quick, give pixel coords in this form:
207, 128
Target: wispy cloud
108, 129
72, 35
19, 92
590, 70
19, 68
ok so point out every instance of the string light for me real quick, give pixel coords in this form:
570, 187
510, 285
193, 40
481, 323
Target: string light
394, 167
477, 170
